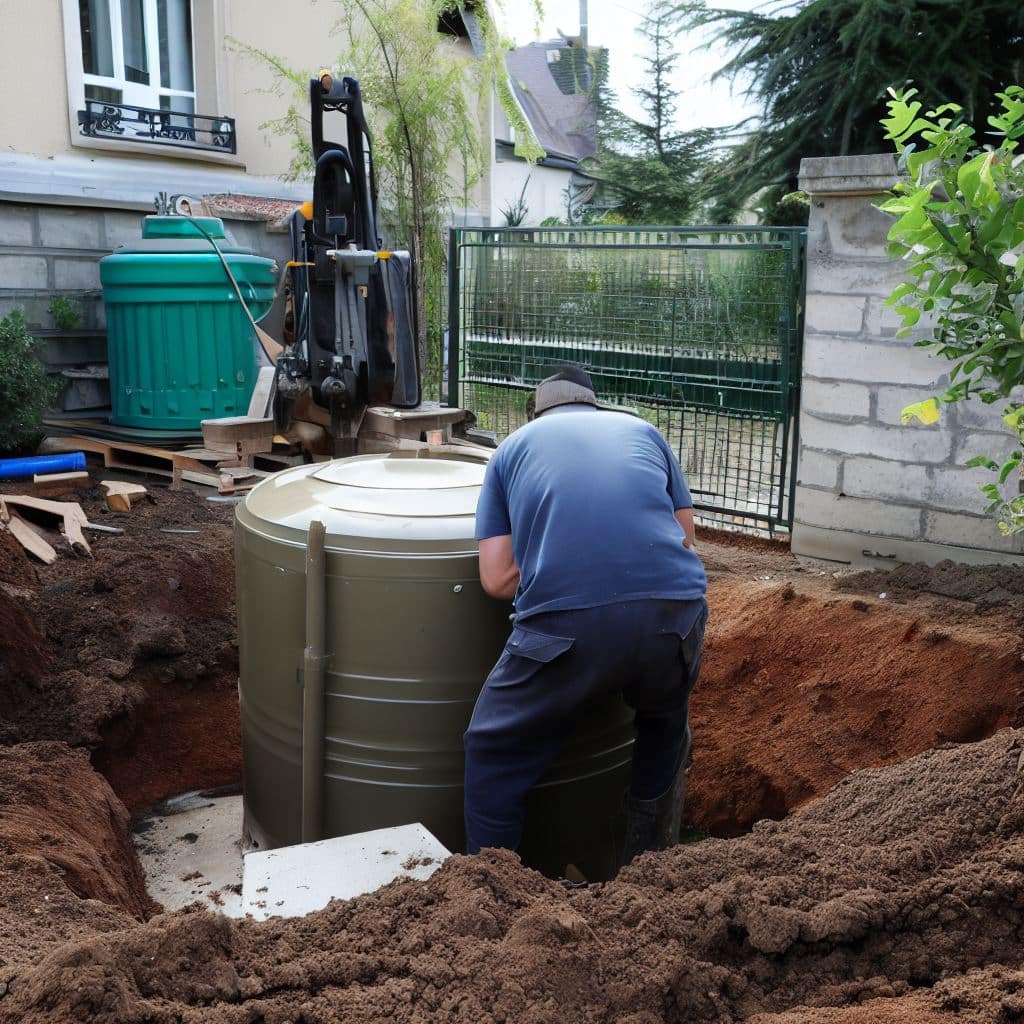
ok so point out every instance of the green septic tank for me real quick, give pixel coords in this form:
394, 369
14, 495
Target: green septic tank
410, 637
180, 346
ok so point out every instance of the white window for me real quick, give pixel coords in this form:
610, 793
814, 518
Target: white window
139, 53
135, 80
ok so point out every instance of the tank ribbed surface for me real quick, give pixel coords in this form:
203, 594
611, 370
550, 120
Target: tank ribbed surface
180, 346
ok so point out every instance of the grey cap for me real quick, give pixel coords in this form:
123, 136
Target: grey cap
569, 386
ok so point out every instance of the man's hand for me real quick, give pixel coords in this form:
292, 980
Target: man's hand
684, 517
499, 573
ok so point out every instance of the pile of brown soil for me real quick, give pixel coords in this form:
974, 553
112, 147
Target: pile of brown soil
898, 879
15, 568
66, 854
800, 686
103, 652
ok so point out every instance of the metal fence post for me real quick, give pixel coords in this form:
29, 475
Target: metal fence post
454, 369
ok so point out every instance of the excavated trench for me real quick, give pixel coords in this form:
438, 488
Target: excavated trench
896, 897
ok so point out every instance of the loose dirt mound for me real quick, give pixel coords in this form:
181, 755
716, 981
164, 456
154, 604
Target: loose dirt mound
89, 646
801, 686
899, 877
64, 844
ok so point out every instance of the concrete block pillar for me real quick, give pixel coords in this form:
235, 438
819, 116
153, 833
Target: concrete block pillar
870, 491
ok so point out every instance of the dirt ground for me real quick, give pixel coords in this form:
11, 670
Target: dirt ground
133, 653
897, 897
898, 879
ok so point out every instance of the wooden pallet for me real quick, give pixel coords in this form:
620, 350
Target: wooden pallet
137, 458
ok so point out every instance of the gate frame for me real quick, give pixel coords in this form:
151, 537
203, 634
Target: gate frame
792, 329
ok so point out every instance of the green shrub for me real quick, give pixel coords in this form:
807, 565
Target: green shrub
25, 390
65, 316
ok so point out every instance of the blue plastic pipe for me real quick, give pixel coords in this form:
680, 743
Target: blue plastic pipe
12, 469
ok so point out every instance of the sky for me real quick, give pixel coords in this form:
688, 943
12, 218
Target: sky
613, 23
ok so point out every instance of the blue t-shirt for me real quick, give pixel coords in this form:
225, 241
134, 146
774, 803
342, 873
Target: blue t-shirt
589, 497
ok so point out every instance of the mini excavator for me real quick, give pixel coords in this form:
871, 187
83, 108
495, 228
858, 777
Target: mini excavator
349, 380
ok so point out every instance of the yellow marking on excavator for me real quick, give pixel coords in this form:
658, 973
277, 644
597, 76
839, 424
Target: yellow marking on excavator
384, 255
299, 263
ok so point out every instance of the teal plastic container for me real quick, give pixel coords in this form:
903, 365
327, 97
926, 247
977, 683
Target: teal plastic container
180, 346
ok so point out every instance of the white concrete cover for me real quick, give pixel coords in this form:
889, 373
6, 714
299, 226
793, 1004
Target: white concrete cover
190, 849
296, 880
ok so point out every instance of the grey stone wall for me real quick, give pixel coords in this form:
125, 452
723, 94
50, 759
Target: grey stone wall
870, 491
54, 250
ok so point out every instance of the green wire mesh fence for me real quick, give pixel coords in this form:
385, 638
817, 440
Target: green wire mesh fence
698, 330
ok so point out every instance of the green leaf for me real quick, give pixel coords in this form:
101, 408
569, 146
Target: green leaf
1015, 418
927, 412
981, 461
1012, 463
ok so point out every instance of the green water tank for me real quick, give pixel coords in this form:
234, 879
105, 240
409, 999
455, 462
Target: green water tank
410, 638
180, 346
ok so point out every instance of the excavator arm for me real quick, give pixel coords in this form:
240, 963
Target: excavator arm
351, 316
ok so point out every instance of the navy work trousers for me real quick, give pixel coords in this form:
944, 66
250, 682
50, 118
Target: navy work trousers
552, 666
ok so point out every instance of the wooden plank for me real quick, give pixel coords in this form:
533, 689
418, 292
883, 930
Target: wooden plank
53, 484
120, 493
262, 393
228, 433
69, 512
72, 529
57, 478
26, 536
207, 479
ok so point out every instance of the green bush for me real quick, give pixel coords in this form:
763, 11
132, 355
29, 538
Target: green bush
25, 390
64, 314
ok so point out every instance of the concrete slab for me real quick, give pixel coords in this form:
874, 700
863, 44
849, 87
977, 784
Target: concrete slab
295, 880
190, 848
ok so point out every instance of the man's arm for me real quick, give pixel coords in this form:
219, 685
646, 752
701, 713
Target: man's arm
684, 517
499, 573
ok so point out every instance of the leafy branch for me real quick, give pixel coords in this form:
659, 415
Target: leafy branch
960, 227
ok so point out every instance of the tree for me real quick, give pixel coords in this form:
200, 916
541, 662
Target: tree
653, 168
419, 93
820, 68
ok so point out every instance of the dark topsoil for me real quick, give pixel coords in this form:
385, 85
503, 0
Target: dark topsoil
874, 904
975, 589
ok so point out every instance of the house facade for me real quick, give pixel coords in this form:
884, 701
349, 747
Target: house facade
552, 83
111, 103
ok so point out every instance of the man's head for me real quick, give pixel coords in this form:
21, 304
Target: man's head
571, 385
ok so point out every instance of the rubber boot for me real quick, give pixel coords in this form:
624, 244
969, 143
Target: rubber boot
654, 824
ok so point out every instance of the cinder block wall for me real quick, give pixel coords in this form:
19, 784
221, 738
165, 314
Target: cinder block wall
870, 491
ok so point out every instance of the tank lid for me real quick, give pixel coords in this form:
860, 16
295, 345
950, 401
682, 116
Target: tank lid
419, 501
403, 487
182, 227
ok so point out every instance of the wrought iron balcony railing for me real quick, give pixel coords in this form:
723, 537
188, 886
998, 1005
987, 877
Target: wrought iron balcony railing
104, 120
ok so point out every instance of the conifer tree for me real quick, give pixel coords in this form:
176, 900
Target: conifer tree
651, 166
819, 70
